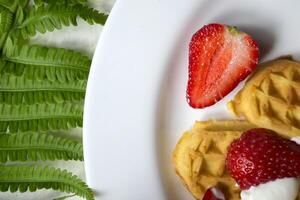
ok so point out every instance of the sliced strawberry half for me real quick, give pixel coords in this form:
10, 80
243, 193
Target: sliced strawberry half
220, 57
260, 155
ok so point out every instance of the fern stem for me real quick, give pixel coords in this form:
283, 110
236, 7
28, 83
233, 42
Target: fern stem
33, 117
29, 61
39, 147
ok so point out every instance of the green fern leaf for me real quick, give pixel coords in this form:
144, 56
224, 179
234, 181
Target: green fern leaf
11, 5
6, 19
50, 58
55, 2
19, 16
22, 3
91, 15
40, 117
32, 85
23, 178
47, 18
59, 74
32, 97
38, 146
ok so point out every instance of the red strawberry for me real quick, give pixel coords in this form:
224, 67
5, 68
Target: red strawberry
220, 57
260, 155
213, 194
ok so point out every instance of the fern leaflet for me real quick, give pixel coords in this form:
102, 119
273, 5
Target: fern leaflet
70, 2
6, 19
32, 97
48, 17
59, 74
23, 178
11, 5
33, 87
40, 117
22, 3
38, 146
45, 56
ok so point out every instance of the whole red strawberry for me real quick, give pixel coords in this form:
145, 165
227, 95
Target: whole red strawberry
260, 155
220, 57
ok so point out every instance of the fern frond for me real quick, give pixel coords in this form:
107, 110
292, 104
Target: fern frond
23, 178
32, 97
6, 19
36, 85
11, 5
45, 56
55, 2
47, 18
38, 146
91, 15
59, 74
40, 117
22, 3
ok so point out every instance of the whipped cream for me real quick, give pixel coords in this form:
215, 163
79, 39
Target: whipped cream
279, 189
296, 139
218, 193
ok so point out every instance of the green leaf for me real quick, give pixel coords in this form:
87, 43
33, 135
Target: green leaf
22, 3
31, 97
59, 74
40, 117
91, 15
19, 16
55, 2
30, 84
6, 19
47, 18
38, 146
11, 5
46, 56
23, 178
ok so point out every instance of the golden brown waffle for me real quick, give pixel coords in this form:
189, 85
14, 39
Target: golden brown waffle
271, 97
199, 156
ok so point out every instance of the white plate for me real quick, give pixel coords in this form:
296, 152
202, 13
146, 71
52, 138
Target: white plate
135, 108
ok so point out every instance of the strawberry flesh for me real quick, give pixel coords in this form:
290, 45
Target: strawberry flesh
219, 58
260, 155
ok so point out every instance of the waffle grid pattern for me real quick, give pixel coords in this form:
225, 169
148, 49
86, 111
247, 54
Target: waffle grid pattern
199, 157
271, 98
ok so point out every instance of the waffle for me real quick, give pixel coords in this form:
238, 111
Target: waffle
199, 157
271, 97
